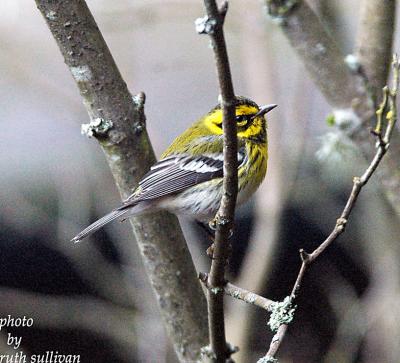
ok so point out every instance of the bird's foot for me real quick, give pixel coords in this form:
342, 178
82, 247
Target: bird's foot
212, 225
210, 251
210, 229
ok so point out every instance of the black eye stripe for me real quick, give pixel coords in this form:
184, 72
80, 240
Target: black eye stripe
248, 117
244, 121
241, 118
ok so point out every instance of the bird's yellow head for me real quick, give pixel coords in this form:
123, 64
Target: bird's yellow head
250, 120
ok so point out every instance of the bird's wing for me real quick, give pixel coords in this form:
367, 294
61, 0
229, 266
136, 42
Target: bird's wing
176, 173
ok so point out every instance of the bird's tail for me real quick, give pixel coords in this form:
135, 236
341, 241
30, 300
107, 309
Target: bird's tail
116, 213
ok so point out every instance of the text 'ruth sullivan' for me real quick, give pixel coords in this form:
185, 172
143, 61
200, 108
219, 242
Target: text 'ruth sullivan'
48, 357
14, 342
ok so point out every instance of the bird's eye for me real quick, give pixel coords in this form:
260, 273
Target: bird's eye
241, 120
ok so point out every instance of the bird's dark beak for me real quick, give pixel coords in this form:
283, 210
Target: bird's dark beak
264, 109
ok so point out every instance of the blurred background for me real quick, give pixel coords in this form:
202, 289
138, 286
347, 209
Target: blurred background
93, 298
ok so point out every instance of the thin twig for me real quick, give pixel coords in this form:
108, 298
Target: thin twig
382, 145
240, 293
212, 25
118, 123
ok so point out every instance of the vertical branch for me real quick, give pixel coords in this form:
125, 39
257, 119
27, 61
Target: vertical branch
212, 25
118, 123
374, 40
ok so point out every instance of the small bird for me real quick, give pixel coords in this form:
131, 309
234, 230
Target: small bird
188, 178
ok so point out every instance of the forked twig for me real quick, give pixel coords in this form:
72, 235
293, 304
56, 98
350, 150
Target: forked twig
240, 293
387, 107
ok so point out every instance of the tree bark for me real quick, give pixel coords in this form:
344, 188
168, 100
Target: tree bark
118, 123
374, 41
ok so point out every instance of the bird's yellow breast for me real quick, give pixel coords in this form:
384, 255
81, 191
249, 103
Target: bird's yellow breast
257, 168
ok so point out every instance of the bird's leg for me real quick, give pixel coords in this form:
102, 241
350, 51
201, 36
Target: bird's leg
206, 228
211, 235
210, 229
213, 226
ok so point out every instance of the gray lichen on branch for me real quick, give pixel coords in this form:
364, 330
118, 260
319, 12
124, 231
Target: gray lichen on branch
282, 312
96, 127
267, 360
205, 25
240, 293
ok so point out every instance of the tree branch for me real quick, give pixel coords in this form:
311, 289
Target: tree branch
320, 54
345, 90
212, 25
118, 123
389, 109
240, 293
374, 41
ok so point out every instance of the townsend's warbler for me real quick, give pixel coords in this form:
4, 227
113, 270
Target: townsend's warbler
188, 178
